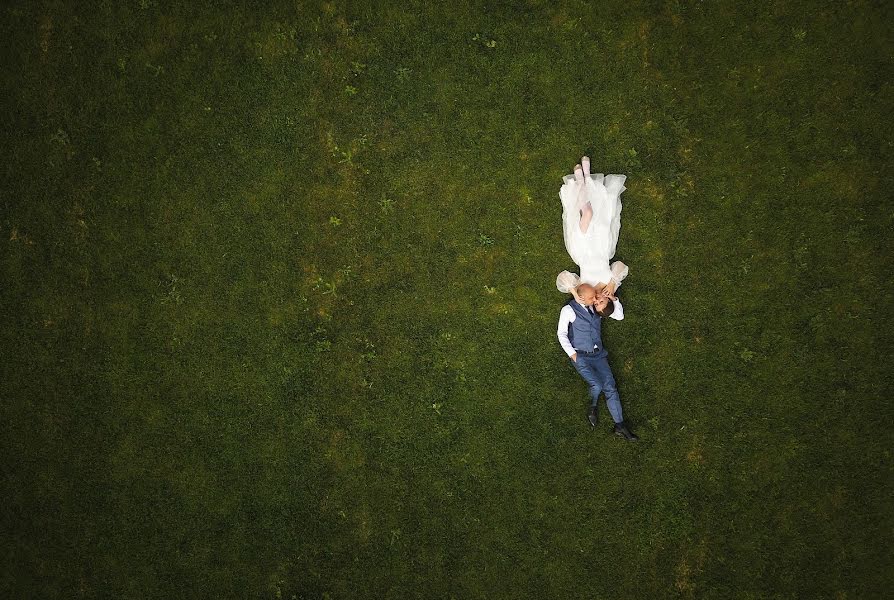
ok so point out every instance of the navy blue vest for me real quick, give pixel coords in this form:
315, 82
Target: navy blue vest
585, 332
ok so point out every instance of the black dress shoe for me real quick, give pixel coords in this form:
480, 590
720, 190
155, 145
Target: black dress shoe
622, 430
592, 416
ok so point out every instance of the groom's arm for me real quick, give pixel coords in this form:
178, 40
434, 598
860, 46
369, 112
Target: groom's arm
566, 317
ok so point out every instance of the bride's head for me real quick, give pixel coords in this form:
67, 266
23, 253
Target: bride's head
604, 306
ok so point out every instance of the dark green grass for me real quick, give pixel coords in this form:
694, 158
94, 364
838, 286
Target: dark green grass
278, 311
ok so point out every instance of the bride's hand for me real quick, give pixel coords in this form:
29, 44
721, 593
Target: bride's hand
607, 292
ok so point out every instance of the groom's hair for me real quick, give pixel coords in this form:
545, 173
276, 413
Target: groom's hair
608, 310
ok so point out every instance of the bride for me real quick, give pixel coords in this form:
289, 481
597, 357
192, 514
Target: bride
591, 218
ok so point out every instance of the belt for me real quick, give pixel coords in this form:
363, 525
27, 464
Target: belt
596, 351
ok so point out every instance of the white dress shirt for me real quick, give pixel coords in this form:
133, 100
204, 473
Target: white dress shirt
567, 317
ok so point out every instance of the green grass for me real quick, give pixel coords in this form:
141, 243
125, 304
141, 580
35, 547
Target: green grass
278, 303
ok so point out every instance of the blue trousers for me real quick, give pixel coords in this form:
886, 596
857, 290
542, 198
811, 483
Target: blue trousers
598, 375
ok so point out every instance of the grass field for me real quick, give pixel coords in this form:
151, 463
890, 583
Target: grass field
278, 301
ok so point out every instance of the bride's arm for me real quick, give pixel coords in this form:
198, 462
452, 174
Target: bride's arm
619, 272
607, 291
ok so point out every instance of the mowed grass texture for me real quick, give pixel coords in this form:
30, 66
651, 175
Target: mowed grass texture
278, 302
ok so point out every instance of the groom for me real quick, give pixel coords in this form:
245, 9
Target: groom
580, 334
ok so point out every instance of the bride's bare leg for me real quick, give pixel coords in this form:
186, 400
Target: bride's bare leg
578, 173
585, 165
584, 206
586, 215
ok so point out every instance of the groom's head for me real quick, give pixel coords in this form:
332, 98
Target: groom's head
586, 293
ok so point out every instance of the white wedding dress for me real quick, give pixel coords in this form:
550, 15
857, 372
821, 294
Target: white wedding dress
593, 249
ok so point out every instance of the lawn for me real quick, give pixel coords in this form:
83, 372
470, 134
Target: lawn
278, 300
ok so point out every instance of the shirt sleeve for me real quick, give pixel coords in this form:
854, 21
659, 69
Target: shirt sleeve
566, 317
618, 313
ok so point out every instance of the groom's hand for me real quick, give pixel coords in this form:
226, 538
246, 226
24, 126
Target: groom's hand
574, 357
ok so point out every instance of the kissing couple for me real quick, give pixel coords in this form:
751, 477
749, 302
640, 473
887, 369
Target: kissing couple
591, 220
